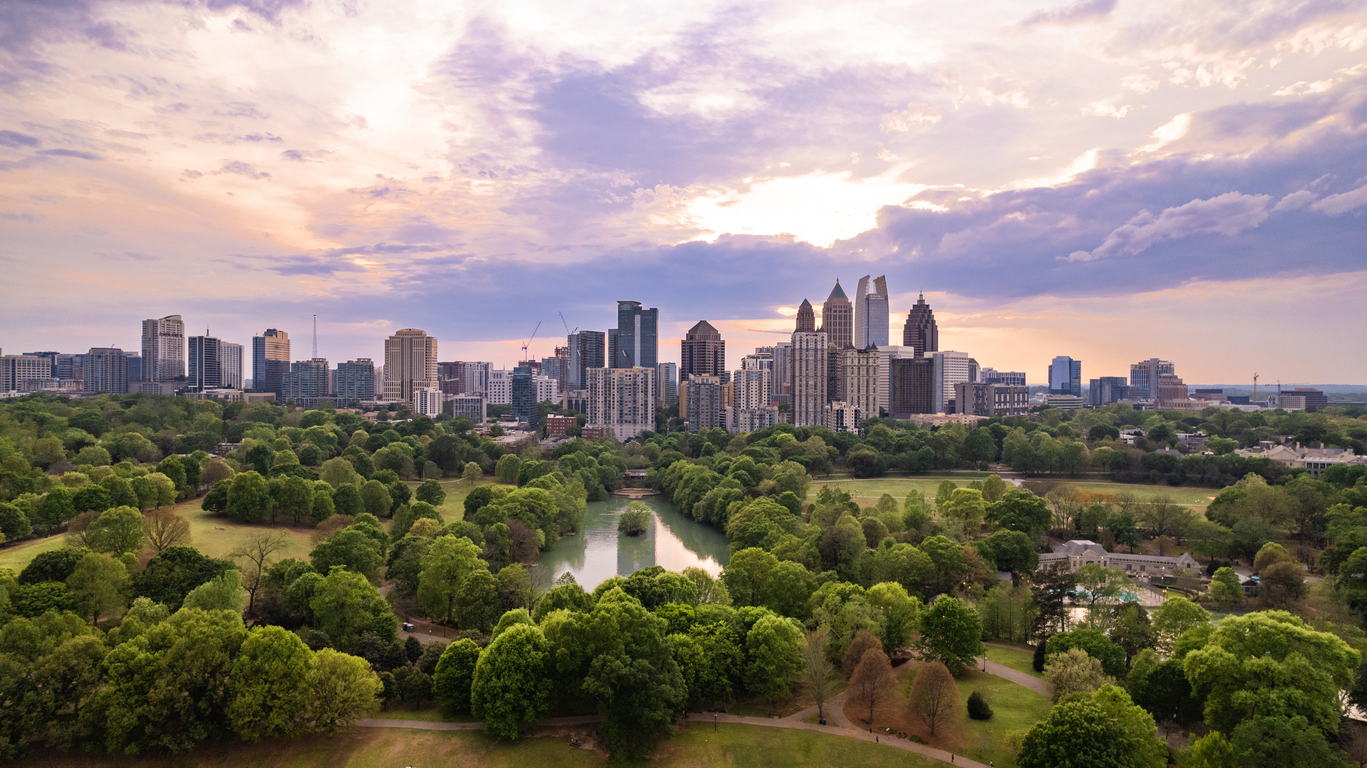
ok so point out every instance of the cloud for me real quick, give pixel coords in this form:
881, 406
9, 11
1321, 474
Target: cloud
915, 114
243, 169
224, 138
1229, 214
16, 139
1081, 12
1295, 201
1342, 203
70, 153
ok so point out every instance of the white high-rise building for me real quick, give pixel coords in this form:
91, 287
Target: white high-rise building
950, 368
477, 378
428, 402
105, 370
622, 400
810, 365
754, 387
230, 365
410, 364
163, 349
547, 389
19, 372
871, 313
499, 387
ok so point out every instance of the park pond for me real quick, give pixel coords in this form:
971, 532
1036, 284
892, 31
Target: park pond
599, 552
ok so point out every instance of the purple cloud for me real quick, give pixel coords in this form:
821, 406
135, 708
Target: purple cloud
70, 153
16, 139
1077, 13
1229, 214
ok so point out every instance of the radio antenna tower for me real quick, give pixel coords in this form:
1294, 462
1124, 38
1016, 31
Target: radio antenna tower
315, 337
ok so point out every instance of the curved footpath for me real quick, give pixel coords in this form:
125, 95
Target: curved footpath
834, 713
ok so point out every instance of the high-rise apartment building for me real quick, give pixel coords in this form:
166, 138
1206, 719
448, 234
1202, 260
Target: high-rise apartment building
410, 364
912, 385
1065, 376
860, 380
133, 362
810, 365
477, 377
522, 395
587, 349
837, 318
163, 349
229, 365
886, 354
704, 403
806, 318
1145, 376
783, 366
920, 331
24, 373
356, 380
206, 366
428, 402
270, 360
547, 389
499, 390
702, 352
950, 368
1107, 390
621, 401
307, 381
1171, 391
753, 388
637, 336
667, 381
871, 313
106, 370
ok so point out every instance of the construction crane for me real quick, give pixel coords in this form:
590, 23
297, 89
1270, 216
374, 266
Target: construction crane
568, 332
762, 330
1255, 389
529, 341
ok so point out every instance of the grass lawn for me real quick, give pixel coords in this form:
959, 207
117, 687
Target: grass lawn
1019, 660
868, 491
691, 746
453, 508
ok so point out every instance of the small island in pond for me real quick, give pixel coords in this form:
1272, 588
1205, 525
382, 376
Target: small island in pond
635, 520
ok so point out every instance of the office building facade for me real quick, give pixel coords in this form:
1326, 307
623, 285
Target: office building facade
871, 313
307, 381
1145, 375
860, 382
994, 376
621, 401
23, 373
920, 331
587, 349
667, 383
950, 368
206, 370
1065, 376
410, 364
105, 370
356, 380
1107, 390
270, 360
911, 381
806, 318
163, 348
810, 367
636, 337
702, 351
472, 407
978, 399
837, 318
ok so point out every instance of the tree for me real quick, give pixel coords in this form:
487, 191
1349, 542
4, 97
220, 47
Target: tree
1073, 671
100, 585
472, 473
447, 564
292, 500
934, 695
431, 492
870, 681
256, 551
345, 605
351, 548
635, 520
477, 601
1104, 729
951, 633
1225, 589
509, 692
862, 642
818, 676
338, 472
978, 708
339, 689
166, 528
249, 497
455, 674
222, 593
169, 577
1173, 618
507, 468
267, 685
1094, 644
375, 499
1282, 585
118, 530
774, 657
900, 610
1053, 587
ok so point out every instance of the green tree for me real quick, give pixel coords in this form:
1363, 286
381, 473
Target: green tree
338, 472
773, 650
507, 468
292, 500
346, 500
1173, 618
477, 601
901, 611
1074, 671
1225, 589
169, 577
1021, 511
118, 530
375, 499
447, 564
222, 593
100, 585
455, 674
951, 633
431, 492
1094, 644
472, 473
634, 520
967, 506
350, 548
339, 689
1104, 729
344, 605
268, 682
509, 692
249, 498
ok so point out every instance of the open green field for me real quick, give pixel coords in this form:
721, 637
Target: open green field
217, 537
691, 747
868, 491
1013, 707
1021, 661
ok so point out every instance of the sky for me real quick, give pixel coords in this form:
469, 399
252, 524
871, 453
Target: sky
1110, 179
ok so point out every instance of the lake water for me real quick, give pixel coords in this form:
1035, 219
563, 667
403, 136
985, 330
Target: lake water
598, 552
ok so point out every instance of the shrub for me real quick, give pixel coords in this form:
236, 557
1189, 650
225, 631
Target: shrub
978, 708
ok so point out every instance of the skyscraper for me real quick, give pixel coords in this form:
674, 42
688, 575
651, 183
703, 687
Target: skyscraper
587, 349
702, 352
410, 364
523, 396
230, 365
810, 360
920, 331
950, 368
837, 318
621, 401
912, 386
270, 360
860, 385
106, 370
871, 313
667, 380
806, 318
1146, 375
206, 369
163, 349
20, 373
307, 381
355, 380
1065, 376
1107, 390
637, 335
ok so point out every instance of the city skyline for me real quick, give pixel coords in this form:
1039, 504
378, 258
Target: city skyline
1061, 179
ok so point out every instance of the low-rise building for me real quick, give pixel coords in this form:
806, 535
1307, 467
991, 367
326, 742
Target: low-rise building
559, 425
1074, 554
991, 399
1064, 402
472, 407
742, 420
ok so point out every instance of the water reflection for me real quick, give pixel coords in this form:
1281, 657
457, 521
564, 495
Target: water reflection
598, 553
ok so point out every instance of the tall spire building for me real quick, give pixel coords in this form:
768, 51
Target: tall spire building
920, 331
871, 313
837, 318
806, 318
703, 352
